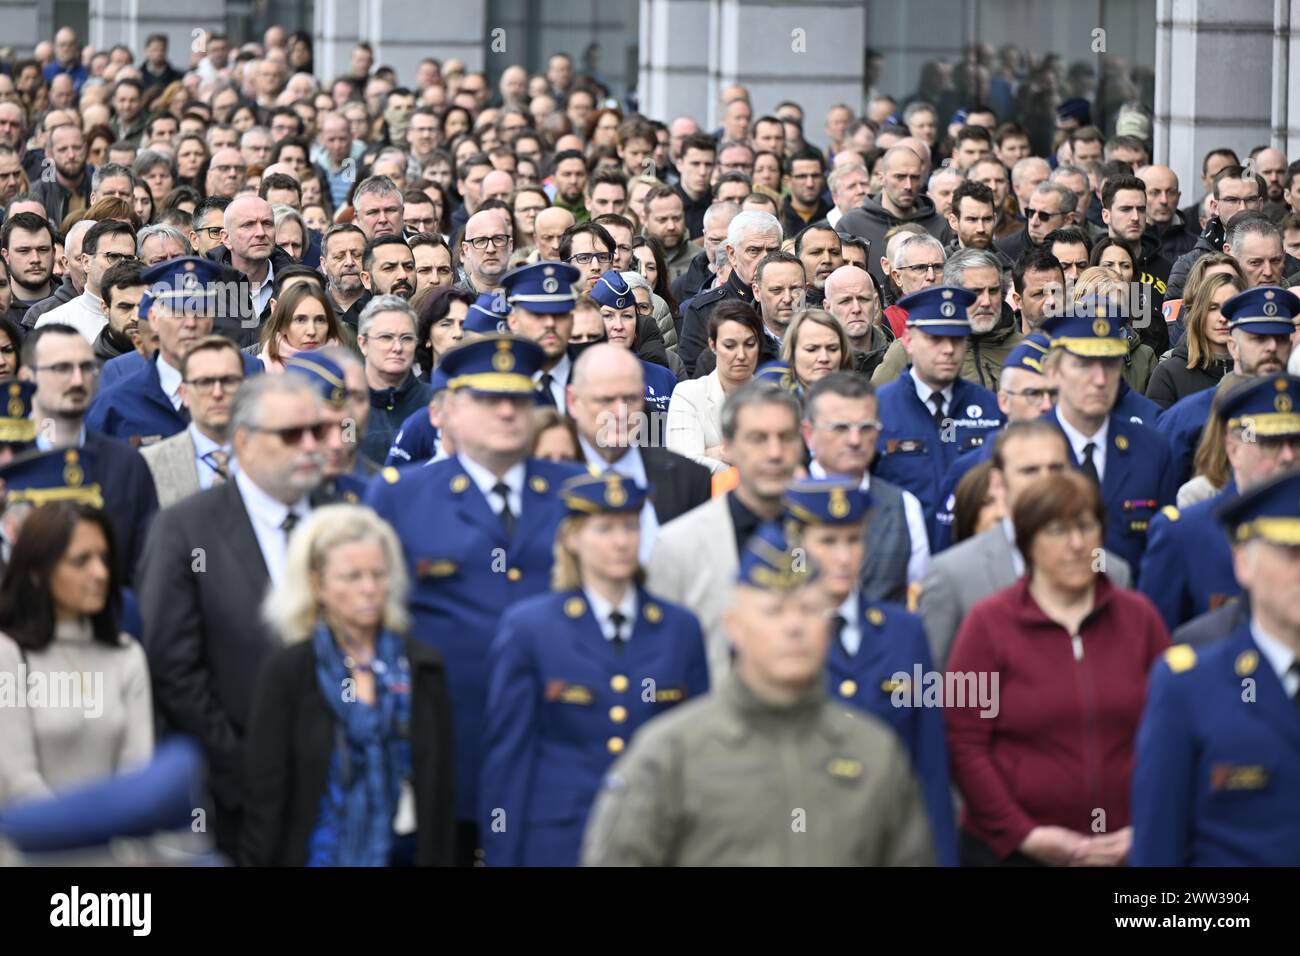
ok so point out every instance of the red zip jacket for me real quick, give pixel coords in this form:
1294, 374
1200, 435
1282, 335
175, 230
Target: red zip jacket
1059, 751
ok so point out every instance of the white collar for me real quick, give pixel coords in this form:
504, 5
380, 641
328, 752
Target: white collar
261, 505
1078, 439
169, 378
601, 610
559, 374
486, 481
924, 391
629, 465
817, 471
1279, 656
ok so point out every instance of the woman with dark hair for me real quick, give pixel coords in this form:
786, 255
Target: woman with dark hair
1201, 359
555, 436
293, 152
980, 503
441, 326
11, 340
526, 203
191, 154
60, 608
98, 139
650, 262
243, 118
184, 198
456, 121
157, 171
142, 202
1053, 758
301, 55
304, 319
602, 127
441, 205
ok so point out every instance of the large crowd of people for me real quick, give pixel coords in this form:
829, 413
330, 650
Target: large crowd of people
499, 475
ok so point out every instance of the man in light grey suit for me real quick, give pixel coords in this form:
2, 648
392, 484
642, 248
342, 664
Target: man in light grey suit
696, 555
972, 570
200, 456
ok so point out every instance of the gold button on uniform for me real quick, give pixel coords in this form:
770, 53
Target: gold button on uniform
619, 683
848, 688
618, 714
514, 574
615, 745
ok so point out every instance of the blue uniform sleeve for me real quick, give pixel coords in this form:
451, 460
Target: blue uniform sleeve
1164, 774
509, 744
929, 751
1163, 574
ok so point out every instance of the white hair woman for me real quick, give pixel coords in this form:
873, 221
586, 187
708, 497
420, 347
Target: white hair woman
348, 753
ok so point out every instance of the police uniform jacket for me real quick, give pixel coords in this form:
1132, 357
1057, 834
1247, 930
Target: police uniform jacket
136, 410
416, 441
894, 644
1187, 566
562, 703
465, 571
1218, 761
732, 780
1181, 425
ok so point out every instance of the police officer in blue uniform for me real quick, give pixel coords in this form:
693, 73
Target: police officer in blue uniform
541, 299
617, 303
346, 472
778, 373
931, 415
1217, 774
1129, 461
873, 644
145, 406
417, 439
574, 673
477, 529
1187, 567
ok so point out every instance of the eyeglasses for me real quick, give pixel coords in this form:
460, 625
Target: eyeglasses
387, 340
293, 434
1035, 394
65, 369
481, 242
212, 232
843, 429
585, 258
228, 383
1062, 528
921, 268
1042, 214
115, 257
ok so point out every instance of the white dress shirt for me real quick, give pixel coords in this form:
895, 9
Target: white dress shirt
44, 444
170, 380
267, 515
202, 446
262, 293
632, 467
1279, 656
919, 559
925, 391
1078, 440
486, 481
601, 610
559, 379
851, 636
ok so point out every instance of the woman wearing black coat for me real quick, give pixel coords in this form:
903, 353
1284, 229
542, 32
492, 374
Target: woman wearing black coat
348, 757
1201, 358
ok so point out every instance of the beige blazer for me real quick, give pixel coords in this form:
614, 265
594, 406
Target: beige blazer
175, 471
695, 420
694, 564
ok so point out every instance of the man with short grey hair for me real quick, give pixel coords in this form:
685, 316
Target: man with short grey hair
159, 242
112, 181
700, 273
849, 185
943, 182
386, 335
378, 202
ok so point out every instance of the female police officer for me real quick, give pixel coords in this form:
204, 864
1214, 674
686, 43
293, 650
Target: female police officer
573, 674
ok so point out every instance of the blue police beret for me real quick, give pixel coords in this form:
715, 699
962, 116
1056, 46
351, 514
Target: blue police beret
16, 425
939, 311
825, 501
543, 287
493, 365
1264, 310
1029, 354
488, 314
612, 290
1075, 109
184, 284
1270, 511
58, 475
325, 375
1093, 327
778, 373
606, 492
1266, 405
768, 563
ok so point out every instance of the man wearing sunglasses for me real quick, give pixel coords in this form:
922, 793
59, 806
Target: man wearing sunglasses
209, 561
105, 245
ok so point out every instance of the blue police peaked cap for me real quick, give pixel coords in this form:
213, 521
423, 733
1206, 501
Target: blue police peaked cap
493, 365
16, 425
1266, 405
606, 492
1263, 310
825, 501
1029, 354
325, 375
1270, 511
939, 311
767, 561
778, 373
612, 290
186, 284
57, 475
1093, 327
488, 314
1075, 109
543, 287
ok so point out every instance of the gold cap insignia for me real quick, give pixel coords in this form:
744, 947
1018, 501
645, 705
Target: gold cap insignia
1247, 661
73, 475
615, 496
1101, 328
504, 359
1283, 402
459, 484
575, 607
16, 408
839, 503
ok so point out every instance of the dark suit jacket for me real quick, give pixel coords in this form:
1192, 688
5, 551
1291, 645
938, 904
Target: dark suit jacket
201, 583
130, 499
677, 483
291, 740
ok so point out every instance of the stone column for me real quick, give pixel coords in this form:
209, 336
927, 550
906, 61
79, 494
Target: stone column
402, 34
184, 22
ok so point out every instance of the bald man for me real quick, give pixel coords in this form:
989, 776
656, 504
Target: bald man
497, 184
1270, 163
248, 248
549, 227
491, 230
852, 298
1164, 220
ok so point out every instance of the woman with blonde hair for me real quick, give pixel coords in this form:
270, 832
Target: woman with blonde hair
814, 346
348, 758
1105, 281
303, 320
574, 673
1201, 359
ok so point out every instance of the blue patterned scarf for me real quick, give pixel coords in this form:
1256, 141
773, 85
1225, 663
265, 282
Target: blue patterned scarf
371, 759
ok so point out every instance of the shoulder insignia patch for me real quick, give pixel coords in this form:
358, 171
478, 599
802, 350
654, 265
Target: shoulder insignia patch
1180, 657
1170, 512
391, 475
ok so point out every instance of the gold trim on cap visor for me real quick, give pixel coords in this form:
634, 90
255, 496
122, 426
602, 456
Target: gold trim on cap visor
1276, 530
1269, 424
502, 382
1092, 348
